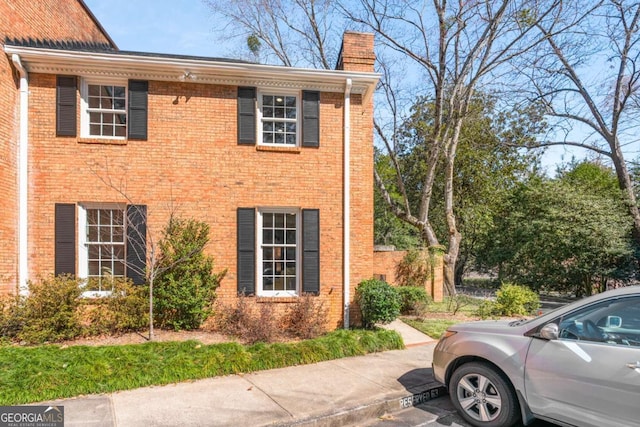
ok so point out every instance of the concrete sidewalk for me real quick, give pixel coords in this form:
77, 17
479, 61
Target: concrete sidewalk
333, 393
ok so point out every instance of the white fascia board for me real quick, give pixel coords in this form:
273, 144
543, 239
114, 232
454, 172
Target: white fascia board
160, 68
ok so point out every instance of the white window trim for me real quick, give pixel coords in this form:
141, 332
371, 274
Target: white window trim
284, 92
84, 105
280, 294
83, 247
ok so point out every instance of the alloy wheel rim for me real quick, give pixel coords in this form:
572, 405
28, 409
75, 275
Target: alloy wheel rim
479, 397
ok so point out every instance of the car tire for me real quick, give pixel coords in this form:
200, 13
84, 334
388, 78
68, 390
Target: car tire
483, 396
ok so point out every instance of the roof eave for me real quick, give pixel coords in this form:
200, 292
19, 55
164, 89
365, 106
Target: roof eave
132, 66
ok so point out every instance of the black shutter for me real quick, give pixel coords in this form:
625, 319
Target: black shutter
247, 115
311, 251
137, 243
65, 239
138, 102
310, 119
66, 106
246, 251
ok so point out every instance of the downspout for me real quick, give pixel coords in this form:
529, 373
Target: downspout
23, 163
347, 203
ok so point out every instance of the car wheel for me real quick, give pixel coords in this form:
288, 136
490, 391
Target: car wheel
483, 396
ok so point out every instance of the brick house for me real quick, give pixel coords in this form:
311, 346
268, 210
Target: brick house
100, 146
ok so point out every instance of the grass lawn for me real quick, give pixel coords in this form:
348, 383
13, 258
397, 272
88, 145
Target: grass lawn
47, 372
441, 315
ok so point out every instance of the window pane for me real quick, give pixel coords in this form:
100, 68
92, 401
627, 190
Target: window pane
279, 138
267, 220
94, 130
106, 103
95, 117
92, 233
94, 268
291, 101
118, 104
106, 91
291, 254
278, 253
94, 251
267, 100
107, 130
94, 90
291, 237
118, 269
279, 237
120, 131
278, 284
267, 111
94, 102
118, 91
267, 253
267, 284
267, 268
279, 220
105, 234
267, 237
291, 283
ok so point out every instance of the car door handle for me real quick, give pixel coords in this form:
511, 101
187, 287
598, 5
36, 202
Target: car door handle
634, 365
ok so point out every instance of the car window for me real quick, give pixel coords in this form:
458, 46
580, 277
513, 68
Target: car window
615, 321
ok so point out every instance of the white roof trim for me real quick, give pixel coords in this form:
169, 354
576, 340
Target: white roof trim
194, 70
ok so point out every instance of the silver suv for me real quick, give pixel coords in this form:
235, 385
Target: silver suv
577, 365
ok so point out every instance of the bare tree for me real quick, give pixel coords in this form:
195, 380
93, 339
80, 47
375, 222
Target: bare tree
458, 48
586, 76
144, 256
294, 32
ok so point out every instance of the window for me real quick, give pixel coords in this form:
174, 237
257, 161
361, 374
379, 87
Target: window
104, 110
279, 119
615, 321
278, 252
102, 246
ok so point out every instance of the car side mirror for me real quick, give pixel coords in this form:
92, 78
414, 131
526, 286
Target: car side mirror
550, 331
614, 322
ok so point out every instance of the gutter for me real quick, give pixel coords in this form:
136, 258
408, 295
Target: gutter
347, 204
23, 164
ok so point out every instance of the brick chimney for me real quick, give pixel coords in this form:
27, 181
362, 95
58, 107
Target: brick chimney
357, 52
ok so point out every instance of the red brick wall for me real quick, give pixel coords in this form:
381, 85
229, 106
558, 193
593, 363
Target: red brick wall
192, 164
38, 19
385, 263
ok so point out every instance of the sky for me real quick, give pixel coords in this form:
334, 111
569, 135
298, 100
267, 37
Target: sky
185, 27
188, 27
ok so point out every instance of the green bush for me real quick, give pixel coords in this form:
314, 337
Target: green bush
414, 299
184, 292
125, 309
379, 302
515, 300
50, 312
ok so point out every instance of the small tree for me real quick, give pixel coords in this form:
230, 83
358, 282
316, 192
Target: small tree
185, 288
378, 301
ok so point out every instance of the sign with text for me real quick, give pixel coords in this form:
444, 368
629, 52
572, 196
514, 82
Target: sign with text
425, 396
31, 416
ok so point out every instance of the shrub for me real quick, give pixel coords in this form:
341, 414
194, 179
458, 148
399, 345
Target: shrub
125, 309
184, 292
514, 300
414, 269
378, 301
307, 318
248, 322
50, 312
458, 301
414, 299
